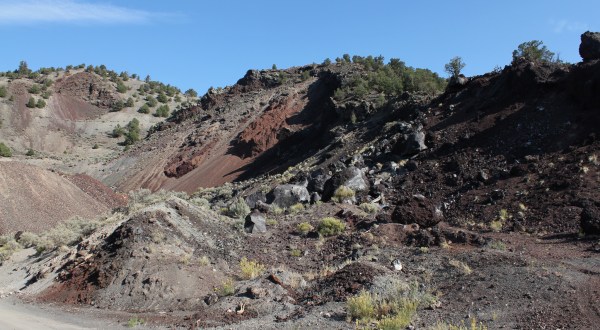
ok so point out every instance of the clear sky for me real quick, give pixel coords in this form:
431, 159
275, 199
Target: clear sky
198, 44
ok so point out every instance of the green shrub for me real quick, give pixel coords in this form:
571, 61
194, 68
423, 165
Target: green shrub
151, 101
534, 51
46, 94
162, 98
121, 88
34, 89
330, 226
238, 209
40, 103
304, 228
30, 153
5, 151
30, 103
162, 111
144, 109
129, 102
28, 239
133, 132
3, 91
118, 131
250, 269
362, 306
8, 246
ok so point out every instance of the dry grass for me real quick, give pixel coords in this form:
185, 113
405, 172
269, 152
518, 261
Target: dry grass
342, 194
304, 228
461, 266
330, 226
251, 269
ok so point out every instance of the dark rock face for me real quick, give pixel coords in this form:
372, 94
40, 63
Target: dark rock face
590, 219
287, 195
417, 210
255, 223
589, 49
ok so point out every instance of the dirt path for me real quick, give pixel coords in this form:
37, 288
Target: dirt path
15, 315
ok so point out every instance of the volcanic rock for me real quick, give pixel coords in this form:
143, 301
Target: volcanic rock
287, 195
255, 223
589, 49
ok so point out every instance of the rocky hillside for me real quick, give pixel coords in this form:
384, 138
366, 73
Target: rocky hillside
65, 118
348, 195
268, 121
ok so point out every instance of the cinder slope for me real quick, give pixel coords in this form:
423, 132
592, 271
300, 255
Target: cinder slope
34, 199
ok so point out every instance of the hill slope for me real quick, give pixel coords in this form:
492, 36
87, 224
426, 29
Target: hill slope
34, 199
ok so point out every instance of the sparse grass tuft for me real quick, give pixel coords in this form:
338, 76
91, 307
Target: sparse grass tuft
298, 207
296, 253
227, 288
343, 194
204, 261
497, 245
369, 207
135, 321
362, 306
464, 268
250, 268
330, 226
304, 228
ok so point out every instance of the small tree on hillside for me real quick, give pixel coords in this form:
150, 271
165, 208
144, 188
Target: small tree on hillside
23, 68
191, 93
454, 67
534, 51
133, 132
30, 103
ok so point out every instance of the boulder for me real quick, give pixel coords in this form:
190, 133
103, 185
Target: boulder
350, 177
253, 199
590, 219
417, 210
412, 144
255, 223
287, 195
589, 49
317, 180
457, 81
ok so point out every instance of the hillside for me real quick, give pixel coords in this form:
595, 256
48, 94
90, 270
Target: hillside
69, 126
354, 194
36, 200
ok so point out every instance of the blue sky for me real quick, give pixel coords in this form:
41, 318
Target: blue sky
198, 44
